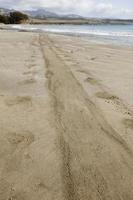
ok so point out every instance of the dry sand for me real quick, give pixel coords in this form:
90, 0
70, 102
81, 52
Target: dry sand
66, 118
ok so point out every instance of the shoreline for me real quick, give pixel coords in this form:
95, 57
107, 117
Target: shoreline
66, 118
94, 38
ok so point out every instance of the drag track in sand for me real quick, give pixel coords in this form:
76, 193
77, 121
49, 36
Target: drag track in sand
96, 161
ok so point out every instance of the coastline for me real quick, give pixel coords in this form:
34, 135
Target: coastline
66, 118
109, 34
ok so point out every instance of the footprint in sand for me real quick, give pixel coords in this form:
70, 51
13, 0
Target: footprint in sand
32, 56
92, 81
18, 100
115, 101
93, 58
19, 142
128, 123
107, 96
41, 185
28, 81
49, 74
30, 72
27, 73
83, 71
31, 66
25, 138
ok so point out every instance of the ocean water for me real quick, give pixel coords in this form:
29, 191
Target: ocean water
120, 34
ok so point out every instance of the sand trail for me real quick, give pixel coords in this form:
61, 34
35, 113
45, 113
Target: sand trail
56, 141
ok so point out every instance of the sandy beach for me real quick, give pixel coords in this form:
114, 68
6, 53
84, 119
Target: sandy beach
66, 118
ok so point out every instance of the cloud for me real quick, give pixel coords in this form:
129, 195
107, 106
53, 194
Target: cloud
108, 10
91, 8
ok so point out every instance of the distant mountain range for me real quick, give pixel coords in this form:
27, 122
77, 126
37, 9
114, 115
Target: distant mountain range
4, 11
42, 14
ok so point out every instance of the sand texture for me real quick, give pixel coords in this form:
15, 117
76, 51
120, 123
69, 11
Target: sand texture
66, 118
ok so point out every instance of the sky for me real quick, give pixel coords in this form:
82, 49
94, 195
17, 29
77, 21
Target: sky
89, 8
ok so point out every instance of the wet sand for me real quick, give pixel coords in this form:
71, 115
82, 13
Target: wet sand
66, 118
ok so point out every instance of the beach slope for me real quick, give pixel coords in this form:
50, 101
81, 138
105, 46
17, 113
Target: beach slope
66, 118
